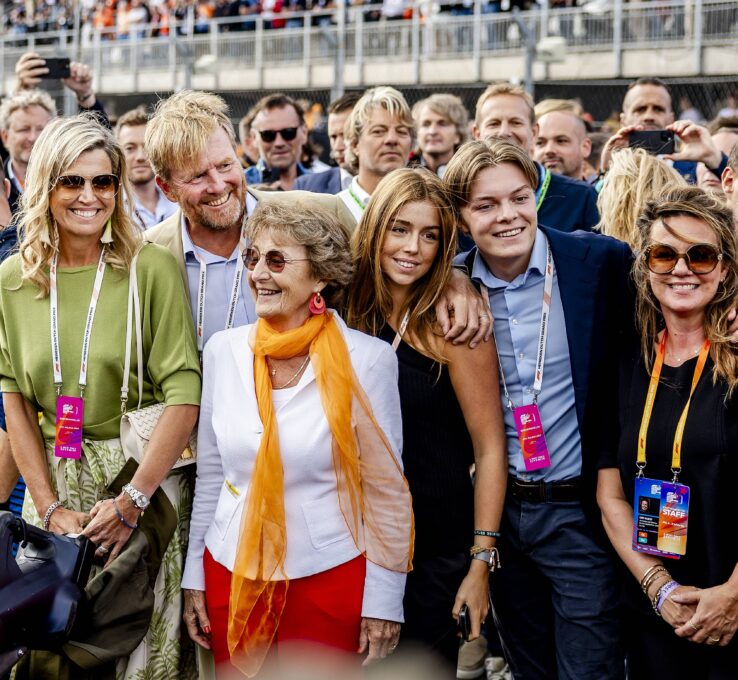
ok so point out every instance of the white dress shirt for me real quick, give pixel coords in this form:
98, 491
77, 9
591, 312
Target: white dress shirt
229, 436
355, 199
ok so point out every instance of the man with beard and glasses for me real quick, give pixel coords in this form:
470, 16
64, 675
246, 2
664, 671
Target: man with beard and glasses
150, 205
191, 144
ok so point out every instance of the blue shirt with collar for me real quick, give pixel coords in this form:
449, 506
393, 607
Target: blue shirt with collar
516, 306
221, 272
260, 173
147, 219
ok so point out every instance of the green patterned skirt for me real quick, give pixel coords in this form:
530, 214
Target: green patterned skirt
165, 651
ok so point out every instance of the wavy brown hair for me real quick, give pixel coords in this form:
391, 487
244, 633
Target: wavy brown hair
58, 147
693, 202
370, 303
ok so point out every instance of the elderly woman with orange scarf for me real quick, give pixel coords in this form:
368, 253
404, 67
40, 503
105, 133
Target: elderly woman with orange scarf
302, 526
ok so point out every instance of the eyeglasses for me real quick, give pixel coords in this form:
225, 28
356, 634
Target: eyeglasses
288, 134
275, 260
701, 258
70, 186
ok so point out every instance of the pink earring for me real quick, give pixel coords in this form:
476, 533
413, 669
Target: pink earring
317, 304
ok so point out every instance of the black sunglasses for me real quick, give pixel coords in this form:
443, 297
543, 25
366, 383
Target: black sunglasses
288, 134
701, 258
104, 186
275, 260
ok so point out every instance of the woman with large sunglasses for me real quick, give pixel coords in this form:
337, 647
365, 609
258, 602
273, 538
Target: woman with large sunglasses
302, 523
666, 487
63, 302
451, 414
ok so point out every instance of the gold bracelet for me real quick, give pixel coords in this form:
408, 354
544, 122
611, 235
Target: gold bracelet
476, 549
649, 576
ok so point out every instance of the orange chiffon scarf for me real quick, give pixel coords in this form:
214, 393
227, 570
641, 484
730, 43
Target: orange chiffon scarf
373, 493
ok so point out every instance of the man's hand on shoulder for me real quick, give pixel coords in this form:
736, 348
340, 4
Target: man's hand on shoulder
462, 312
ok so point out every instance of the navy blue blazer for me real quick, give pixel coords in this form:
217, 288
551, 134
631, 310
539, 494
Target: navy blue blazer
593, 274
569, 205
328, 182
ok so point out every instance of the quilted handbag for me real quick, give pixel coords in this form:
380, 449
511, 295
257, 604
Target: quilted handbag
136, 427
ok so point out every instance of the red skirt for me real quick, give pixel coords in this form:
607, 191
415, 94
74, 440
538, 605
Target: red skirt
322, 609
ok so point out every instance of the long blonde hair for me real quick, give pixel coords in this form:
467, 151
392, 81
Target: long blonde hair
370, 303
693, 202
634, 177
58, 147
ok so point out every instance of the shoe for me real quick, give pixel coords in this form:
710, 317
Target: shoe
497, 668
471, 659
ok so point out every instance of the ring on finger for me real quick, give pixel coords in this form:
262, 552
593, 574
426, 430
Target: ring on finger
694, 627
103, 550
714, 640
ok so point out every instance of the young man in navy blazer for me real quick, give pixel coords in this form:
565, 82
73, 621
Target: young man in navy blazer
555, 597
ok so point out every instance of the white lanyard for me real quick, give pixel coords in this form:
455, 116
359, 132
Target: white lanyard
54, 312
401, 332
542, 336
235, 292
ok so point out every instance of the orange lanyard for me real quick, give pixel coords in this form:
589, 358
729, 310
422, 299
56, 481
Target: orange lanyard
676, 456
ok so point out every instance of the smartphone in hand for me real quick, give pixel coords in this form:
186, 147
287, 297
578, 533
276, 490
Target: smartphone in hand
463, 624
58, 67
655, 142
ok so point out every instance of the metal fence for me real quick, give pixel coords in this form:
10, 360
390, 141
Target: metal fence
347, 36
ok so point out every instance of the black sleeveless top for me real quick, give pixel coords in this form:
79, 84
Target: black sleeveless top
437, 452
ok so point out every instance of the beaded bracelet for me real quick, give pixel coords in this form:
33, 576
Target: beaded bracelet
49, 513
123, 519
491, 534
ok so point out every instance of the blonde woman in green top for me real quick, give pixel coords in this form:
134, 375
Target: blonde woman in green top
63, 302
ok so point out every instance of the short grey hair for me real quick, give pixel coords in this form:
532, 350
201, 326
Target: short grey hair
25, 100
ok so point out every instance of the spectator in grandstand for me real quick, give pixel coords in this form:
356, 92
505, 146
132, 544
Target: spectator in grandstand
150, 205
338, 178
191, 145
249, 150
647, 106
561, 144
403, 253
507, 112
730, 181
279, 131
689, 112
730, 109
379, 137
634, 178
679, 615
441, 126
556, 596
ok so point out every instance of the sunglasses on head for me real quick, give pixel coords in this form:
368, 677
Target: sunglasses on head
104, 186
288, 134
701, 258
275, 260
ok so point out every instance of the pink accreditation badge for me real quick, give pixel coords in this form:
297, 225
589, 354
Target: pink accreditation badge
69, 417
532, 440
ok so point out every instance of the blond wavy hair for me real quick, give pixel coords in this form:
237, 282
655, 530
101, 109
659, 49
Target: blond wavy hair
634, 177
697, 203
58, 147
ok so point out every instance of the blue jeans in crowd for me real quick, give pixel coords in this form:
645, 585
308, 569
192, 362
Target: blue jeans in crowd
556, 595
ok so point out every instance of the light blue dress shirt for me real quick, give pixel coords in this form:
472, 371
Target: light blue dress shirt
516, 306
164, 209
221, 272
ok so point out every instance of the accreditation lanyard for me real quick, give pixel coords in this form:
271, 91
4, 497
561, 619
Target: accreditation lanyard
235, 291
543, 189
676, 455
401, 331
54, 311
542, 335
357, 200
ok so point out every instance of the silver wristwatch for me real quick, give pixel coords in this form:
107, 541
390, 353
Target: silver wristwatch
140, 500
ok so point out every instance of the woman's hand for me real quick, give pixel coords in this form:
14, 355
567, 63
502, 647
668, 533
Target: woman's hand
65, 521
674, 613
107, 531
378, 637
196, 618
474, 593
716, 617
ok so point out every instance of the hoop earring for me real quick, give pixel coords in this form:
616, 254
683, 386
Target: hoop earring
317, 304
107, 236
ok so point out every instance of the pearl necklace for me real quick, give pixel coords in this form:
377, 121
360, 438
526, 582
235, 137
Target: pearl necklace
273, 373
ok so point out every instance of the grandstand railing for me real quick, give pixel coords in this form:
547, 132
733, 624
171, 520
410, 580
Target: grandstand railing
349, 36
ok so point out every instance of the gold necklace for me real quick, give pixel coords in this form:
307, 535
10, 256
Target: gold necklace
273, 372
689, 356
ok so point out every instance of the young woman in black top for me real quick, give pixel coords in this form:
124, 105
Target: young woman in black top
449, 394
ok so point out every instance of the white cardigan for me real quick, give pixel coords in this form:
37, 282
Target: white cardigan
230, 430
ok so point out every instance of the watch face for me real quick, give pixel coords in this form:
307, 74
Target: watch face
142, 501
